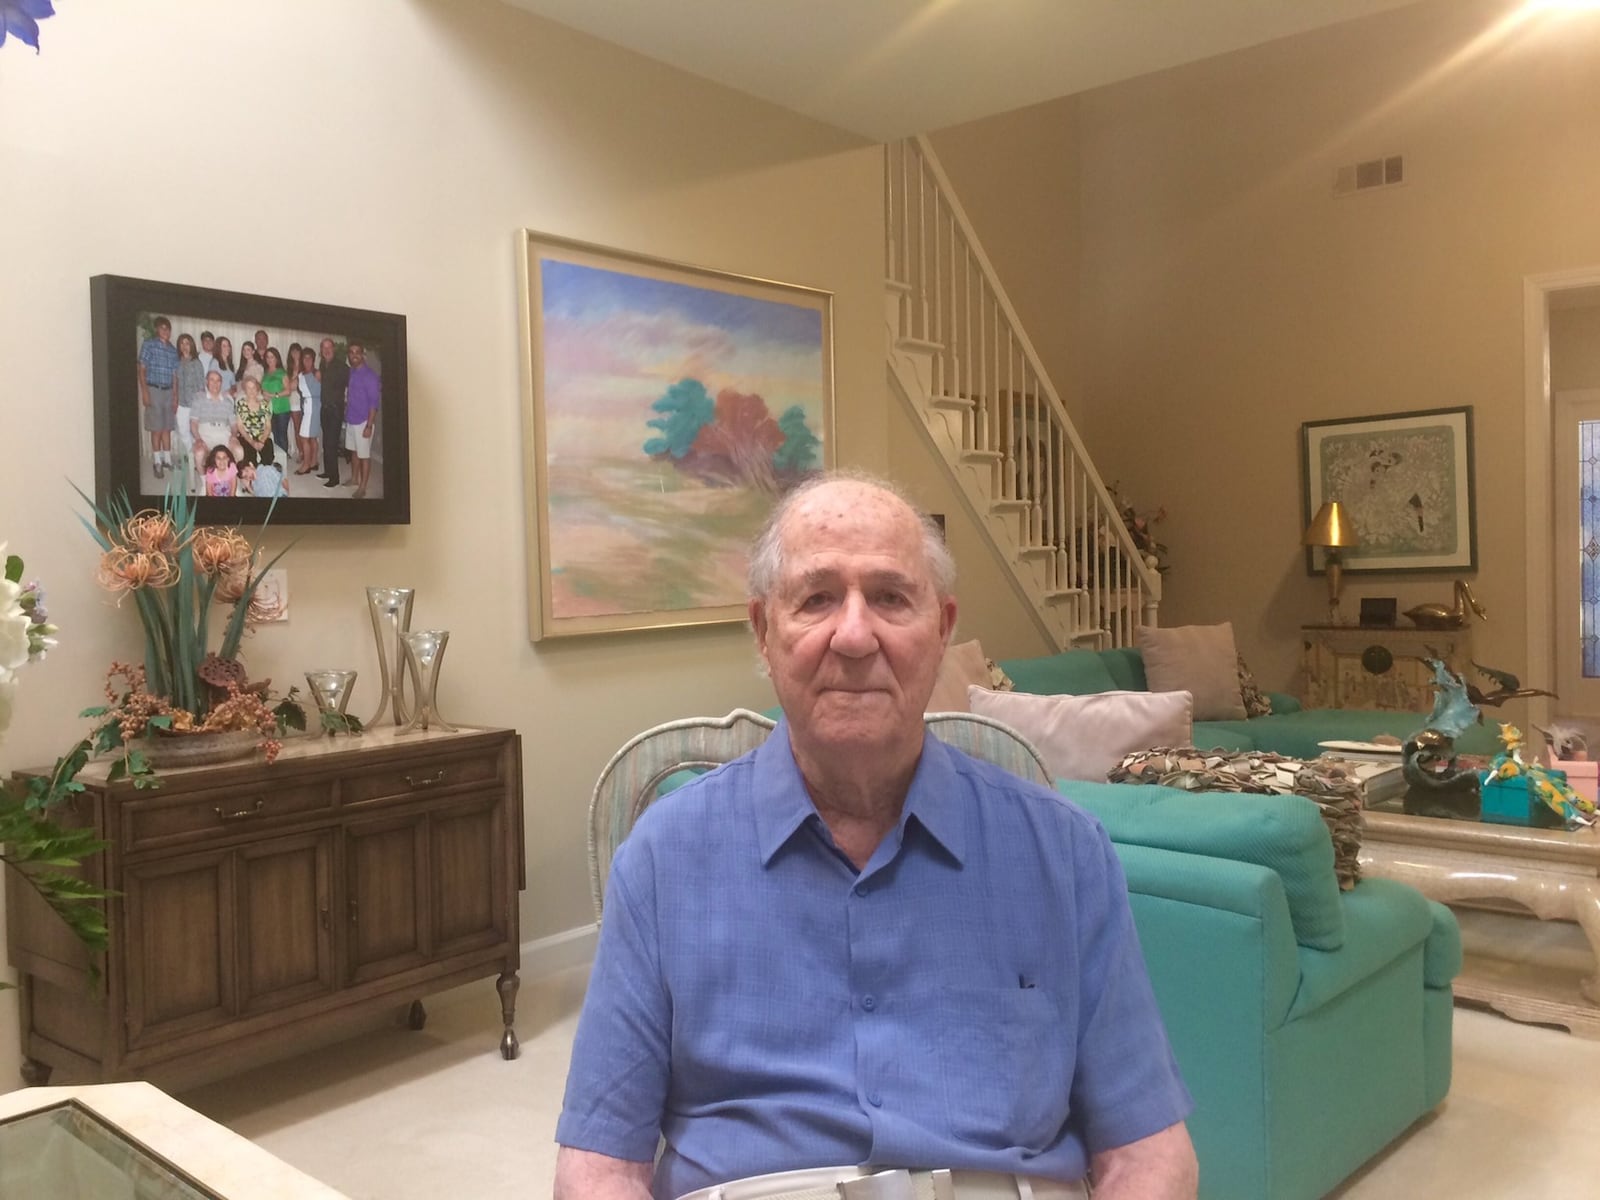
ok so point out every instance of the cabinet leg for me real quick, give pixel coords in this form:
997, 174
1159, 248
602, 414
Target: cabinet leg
35, 1073
507, 986
417, 1017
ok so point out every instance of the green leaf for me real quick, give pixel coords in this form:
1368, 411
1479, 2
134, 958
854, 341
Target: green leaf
118, 771
138, 763
162, 721
290, 714
13, 568
98, 710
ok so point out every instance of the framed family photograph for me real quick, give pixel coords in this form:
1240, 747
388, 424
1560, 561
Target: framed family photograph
242, 401
666, 409
1406, 481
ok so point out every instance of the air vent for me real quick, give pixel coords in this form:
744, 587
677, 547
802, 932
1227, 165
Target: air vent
1369, 174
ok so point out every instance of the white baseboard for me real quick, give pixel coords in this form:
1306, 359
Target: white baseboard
557, 952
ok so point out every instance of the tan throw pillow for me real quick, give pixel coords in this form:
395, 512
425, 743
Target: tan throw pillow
1199, 659
1083, 737
961, 666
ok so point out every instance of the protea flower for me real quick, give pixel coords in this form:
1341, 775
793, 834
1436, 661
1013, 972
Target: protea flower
125, 570
150, 531
220, 551
20, 19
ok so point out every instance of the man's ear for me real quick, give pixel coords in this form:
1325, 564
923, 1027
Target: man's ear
758, 623
947, 619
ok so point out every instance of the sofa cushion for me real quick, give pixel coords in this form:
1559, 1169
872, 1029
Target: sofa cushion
1083, 737
1283, 833
963, 664
1384, 920
1071, 673
1224, 735
1127, 667
1199, 659
1297, 733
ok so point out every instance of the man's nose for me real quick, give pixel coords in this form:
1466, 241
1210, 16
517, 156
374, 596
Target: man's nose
854, 635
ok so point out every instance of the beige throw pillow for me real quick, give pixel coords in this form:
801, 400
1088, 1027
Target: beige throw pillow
1199, 659
1083, 737
961, 666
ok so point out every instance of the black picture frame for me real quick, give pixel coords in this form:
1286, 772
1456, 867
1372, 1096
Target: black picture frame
123, 314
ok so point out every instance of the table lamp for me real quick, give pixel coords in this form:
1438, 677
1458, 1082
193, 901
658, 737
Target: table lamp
1332, 531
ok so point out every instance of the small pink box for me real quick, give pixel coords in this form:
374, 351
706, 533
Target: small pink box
1582, 777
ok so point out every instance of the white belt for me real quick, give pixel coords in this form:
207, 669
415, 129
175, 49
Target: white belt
862, 1183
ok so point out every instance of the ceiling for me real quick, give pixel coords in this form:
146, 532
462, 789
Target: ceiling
889, 68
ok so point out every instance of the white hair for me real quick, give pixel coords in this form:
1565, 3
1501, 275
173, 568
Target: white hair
766, 552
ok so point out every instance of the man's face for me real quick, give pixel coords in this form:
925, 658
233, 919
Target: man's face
261, 341
207, 341
327, 349
164, 332
357, 356
854, 629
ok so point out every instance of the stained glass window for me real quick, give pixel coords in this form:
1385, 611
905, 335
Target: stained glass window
1589, 540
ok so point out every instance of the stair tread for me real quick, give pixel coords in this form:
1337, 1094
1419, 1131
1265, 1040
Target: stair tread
906, 342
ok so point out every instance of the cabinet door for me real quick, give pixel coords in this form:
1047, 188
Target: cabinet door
467, 846
179, 946
386, 896
285, 891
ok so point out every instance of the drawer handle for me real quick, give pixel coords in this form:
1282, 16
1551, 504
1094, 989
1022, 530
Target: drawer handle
253, 811
422, 781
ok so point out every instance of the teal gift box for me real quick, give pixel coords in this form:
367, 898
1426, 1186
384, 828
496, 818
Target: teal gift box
1513, 802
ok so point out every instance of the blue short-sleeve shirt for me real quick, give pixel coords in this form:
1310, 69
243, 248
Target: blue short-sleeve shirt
974, 998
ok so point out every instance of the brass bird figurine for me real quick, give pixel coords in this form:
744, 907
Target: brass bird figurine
1508, 687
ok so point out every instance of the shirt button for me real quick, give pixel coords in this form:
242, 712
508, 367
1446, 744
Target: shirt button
874, 1099
869, 1002
862, 889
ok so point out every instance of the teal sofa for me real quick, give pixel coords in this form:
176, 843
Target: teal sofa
1312, 1026
1290, 730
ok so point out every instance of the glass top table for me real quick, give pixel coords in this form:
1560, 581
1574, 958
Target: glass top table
66, 1152
132, 1141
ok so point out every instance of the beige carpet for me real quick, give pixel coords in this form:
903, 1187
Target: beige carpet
397, 1115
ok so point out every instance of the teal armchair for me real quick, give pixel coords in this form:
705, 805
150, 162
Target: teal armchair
1312, 1025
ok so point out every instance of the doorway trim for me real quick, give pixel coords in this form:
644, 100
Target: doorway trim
1538, 426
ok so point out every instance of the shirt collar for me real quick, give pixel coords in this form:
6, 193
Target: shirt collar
782, 804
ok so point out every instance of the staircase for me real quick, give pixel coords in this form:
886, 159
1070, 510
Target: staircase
961, 362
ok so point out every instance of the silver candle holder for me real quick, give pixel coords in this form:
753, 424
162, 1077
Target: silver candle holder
424, 650
331, 688
390, 609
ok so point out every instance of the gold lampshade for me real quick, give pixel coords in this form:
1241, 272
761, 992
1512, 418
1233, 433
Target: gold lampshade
1332, 530
1331, 527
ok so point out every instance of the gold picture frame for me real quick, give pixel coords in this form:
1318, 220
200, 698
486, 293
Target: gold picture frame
666, 407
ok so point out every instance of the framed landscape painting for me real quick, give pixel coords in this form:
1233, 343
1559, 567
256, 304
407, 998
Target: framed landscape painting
1406, 481
666, 409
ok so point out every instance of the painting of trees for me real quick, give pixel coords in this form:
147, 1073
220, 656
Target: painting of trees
733, 441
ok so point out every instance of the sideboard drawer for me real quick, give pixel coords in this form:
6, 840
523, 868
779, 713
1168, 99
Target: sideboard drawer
159, 821
431, 775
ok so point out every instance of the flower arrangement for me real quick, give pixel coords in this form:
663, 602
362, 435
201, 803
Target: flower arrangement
174, 572
41, 851
1141, 528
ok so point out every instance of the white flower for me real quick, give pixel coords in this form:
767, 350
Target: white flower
13, 629
8, 692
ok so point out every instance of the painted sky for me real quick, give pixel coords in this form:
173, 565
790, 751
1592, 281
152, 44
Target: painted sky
615, 341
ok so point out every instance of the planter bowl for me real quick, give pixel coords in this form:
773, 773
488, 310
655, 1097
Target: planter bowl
198, 749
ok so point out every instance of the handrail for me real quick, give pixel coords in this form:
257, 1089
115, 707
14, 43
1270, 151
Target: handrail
985, 365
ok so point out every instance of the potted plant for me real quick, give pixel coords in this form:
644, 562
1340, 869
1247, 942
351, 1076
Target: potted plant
187, 703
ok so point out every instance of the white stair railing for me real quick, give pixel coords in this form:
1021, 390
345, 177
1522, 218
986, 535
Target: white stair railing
954, 309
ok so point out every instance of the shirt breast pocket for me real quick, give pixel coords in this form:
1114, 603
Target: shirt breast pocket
1005, 1058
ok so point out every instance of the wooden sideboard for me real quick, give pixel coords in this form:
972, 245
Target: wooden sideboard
1355, 666
260, 909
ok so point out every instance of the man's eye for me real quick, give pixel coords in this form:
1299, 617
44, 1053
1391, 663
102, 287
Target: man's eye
815, 600
892, 599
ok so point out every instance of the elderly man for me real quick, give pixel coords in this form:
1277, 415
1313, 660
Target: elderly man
857, 945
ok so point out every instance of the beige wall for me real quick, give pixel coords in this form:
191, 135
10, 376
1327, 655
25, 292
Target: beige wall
1226, 296
384, 162
1574, 348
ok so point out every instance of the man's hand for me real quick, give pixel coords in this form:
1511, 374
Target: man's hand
585, 1175
1159, 1167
